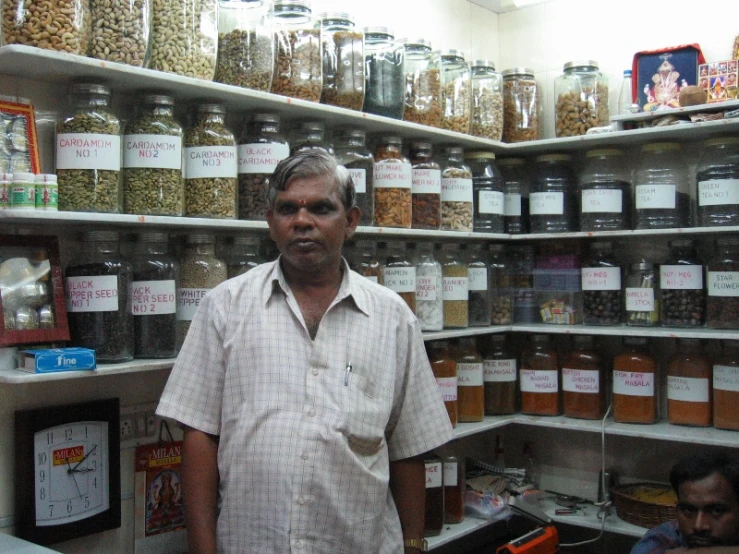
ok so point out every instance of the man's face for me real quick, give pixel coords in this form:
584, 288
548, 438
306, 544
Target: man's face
708, 512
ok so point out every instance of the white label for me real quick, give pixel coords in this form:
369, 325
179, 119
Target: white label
581, 380
719, 192
154, 297
393, 175
210, 162
602, 201
655, 197
455, 288
152, 151
687, 389
359, 178
726, 377
685, 277
456, 190
723, 283
188, 301
499, 371
631, 383
426, 288
539, 380
601, 278
478, 278
372, 278
512, 205
88, 151
490, 202
434, 475
447, 388
469, 375
426, 181
400, 279
450, 474
92, 294
261, 157
639, 300
547, 203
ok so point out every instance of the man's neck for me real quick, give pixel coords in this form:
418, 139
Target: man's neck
324, 280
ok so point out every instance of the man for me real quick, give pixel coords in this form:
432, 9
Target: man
305, 392
707, 488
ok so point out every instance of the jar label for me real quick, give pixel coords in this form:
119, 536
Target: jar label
718, 192
450, 474
426, 288
152, 151
389, 174
602, 201
601, 278
434, 474
726, 377
47, 196
154, 297
400, 279
447, 388
581, 380
650, 197
632, 383
23, 196
261, 157
372, 278
4, 196
455, 288
188, 301
723, 283
359, 178
456, 190
92, 294
210, 162
687, 389
469, 375
499, 371
539, 380
512, 206
547, 203
681, 277
88, 151
478, 278
490, 202
426, 181
640, 299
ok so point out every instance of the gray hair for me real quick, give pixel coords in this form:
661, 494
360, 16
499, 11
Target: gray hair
312, 163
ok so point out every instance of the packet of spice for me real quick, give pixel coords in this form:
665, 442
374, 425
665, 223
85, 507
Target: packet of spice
18, 134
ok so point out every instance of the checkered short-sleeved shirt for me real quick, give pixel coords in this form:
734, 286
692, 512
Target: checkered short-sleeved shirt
305, 446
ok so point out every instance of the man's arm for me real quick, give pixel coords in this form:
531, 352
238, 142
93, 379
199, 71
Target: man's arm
200, 489
408, 487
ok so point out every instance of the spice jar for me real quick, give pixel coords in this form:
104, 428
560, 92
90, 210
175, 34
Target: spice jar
456, 106
88, 152
722, 303
487, 187
689, 379
455, 280
153, 183
121, 31
154, 297
211, 165
343, 61
23, 191
583, 384
422, 84
716, 175
501, 294
521, 105
605, 185
581, 98
384, 92
553, 198
445, 371
23, 21
634, 376
429, 300
366, 261
470, 388
399, 274
603, 297
517, 183
426, 187
6, 182
308, 135
434, 500
457, 195
98, 290
47, 192
243, 255
353, 154
683, 297
642, 295
662, 188
500, 377
479, 286
487, 100
393, 180
454, 489
726, 387
261, 147
246, 46
540, 378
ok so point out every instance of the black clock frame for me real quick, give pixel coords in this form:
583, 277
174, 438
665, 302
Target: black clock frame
28, 422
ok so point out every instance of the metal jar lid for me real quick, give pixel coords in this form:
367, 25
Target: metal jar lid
585, 64
379, 31
511, 161
211, 108
604, 152
452, 149
336, 16
681, 243
390, 139
246, 240
158, 99
483, 63
554, 158
89, 88
281, 6
421, 144
154, 236
418, 43
201, 238
99, 236
480, 155
518, 72
453, 53
642, 266
265, 117
347, 132
660, 146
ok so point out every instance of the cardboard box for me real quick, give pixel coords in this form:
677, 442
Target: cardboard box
719, 79
57, 359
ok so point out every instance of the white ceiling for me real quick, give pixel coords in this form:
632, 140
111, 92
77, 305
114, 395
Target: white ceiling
502, 6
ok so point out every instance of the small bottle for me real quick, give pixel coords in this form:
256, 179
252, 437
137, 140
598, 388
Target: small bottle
716, 176
454, 489
47, 192
689, 379
426, 191
726, 387
399, 274
23, 191
365, 261
470, 389
457, 197
634, 376
683, 297
625, 95
583, 386
353, 154
642, 295
553, 198
500, 378
455, 280
429, 299
540, 391
434, 515
445, 371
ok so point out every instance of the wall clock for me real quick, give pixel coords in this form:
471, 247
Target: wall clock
67, 471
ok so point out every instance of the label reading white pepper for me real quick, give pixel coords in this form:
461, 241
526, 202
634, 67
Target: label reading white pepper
188, 300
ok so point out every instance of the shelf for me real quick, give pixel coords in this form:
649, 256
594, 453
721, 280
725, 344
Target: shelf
639, 233
587, 517
701, 108
17, 377
452, 532
490, 422
626, 331
468, 332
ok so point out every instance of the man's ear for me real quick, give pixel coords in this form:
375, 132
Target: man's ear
352, 220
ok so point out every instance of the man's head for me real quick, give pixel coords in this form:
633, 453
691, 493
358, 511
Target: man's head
707, 487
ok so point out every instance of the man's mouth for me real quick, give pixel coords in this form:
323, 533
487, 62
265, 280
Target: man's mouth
699, 541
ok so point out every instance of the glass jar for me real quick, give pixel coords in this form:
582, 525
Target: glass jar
583, 383
384, 91
353, 154
122, 34
522, 261
540, 378
662, 188
581, 99
246, 46
479, 285
717, 176
445, 371
88, 152
243, 255
343, 61
454, 489
399, 273
429, 299
489, 198
634, 383
366, 261
517, 183
6, 182
689, 380
307, 135
603, 297
153, 181
500, 377
426, 187
422, 84
393, 181
487, 101
211, 165
501, 293
605, 185
521, 105
261, 147
434, 499
98, 289
470, 388
642, 295
726, 387
553, 195
722, 302
154, 297
455, 282
22, 25
456, 104
298, 68
683, 297
457, 197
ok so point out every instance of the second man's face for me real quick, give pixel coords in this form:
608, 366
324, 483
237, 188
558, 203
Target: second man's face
708, 512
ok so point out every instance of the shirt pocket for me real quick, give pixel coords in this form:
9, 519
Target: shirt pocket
365, 414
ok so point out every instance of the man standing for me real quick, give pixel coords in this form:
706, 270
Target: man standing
305, 392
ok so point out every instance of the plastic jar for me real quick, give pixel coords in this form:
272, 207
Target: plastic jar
634, 383
540, 390
487, 187
353, 154
88, 152
456, 104
470, 388
662, 188
243, 255
384, 92
583, 383
581, 98
717, 176
522, 261
98, 289
6, 181
434, 498
455, 282
429, 299
343, 61
683, 296
426, 188
517, 183
726, 387
501, 293
261, 147
121, 31
457, 196
479, 285
500, 377
601, 277
211, 165
553, 197
23, 191
422, 84
605, 185
722, 302
445, 371
487, 100
309, 134
23, 21
689, 380
521, 105
399, 273
246, 45
47, 192
366, 261
454, 489
641, 295
393, 180
153, 182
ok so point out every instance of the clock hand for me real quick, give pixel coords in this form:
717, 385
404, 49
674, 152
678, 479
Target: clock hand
83, 459
71, 471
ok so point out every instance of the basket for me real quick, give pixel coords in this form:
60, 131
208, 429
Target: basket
639, 512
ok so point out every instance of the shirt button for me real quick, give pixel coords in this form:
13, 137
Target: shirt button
311, 412
315, 371
304, 456
299, 544
301, 501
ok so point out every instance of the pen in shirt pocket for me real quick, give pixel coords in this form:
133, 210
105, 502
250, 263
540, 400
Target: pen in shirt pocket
348, 373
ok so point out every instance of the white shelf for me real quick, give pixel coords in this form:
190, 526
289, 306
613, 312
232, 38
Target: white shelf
18, 377
626, 331
644, 116
630, 234
490, 422
467, 332
452, 532
587, 517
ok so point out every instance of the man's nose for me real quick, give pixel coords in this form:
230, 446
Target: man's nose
702, 521
303, 218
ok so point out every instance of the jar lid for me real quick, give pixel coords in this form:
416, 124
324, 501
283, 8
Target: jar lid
511, 161
99, 236
159, 99
483, 63
309, 126
449, 246
727, 241
350, 132
602, 245
365, 245
637, 341
343, 16
539, 338
396, 246
452, 149
45, 178
604, 152
681, 243
498, 338
642, 265
211, 108
246, 240
518, 72
589, 64
89, 88
287, 5
390, 139
496, 248
660, 146
453, 53
200, 238
721, 140
153, 236
418, 42
421, 145
554, 158
24, 177
265, 117
480, 155
379, 31
582, 340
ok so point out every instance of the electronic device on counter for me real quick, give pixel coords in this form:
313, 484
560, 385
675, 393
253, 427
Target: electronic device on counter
543, 540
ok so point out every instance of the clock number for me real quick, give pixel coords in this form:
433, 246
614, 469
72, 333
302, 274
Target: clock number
87, 502
41, 476
51, 510
68, 433
49, 438
42, 493
69, 507
42, 458
95, 483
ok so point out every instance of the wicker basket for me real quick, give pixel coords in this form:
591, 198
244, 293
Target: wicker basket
638, 512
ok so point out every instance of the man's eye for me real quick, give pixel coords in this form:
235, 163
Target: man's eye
718, 512
286, 209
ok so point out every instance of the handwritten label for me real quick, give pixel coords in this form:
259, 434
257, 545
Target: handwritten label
450, 474
602, 201
639, 299
630, 383
447, 388
210, 162
601, 278
687, 389
718, 192
400, 279
539, 380
152, 151
469, 375
261, 157
490, 202
392, 174
456, 190
426, 181
546, 203
512, 207
650, 197
188, 301
726, 377
92, 294
581, 380
426, 288
359, 178
499, 371
477, 278
88, 151
681, 277
723, 283
153, 297
455, 288
434, 475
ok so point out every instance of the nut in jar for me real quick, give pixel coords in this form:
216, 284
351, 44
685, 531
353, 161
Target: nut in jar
455, 92
581, 99
392, 177
521, 105
61, 25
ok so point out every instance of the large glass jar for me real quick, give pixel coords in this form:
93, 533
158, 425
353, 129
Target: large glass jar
243, 255
487, 187
581, 99
662, 188
634, 383
689, 380
500, 377
246, 46
605, 185
722, 303
426, 191
88, 152
479, 285
399, 273
393, 181
445, 371
434, 498
521, 105
642, 295
470, 388
717, 176
384, 92
22, 23
487, 101
456, 105
353, 154
683, 296
153, 181
455, 280
343, 61
517, 182
422, 84
429, 299
603, 297
457, 196
309, 134
365, 261
501, 293
540, 372
583, 382
122, 31
454, 489
553, 197
98, 290
726, 387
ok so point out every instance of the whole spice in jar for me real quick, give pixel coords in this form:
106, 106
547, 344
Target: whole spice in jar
429, 300
521, 105
470, 387
634, 374
716, 176
392, 177
487, 101
385, 80
489, 198
479, 286
601, 286
434, 499
426, 187
457, 198
422, 84
455, 92
454, 489
539, 374
553, 197
500, 377
722, 303
583, 385
343, 61
455, 279
445, 371
353, 154
689, 380
399, 274
26, 23
121, 31
517, 183
501, 294
683, 297
581, 99
726, 387
642, 295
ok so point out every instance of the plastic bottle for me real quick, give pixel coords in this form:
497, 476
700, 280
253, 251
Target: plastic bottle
625, 97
